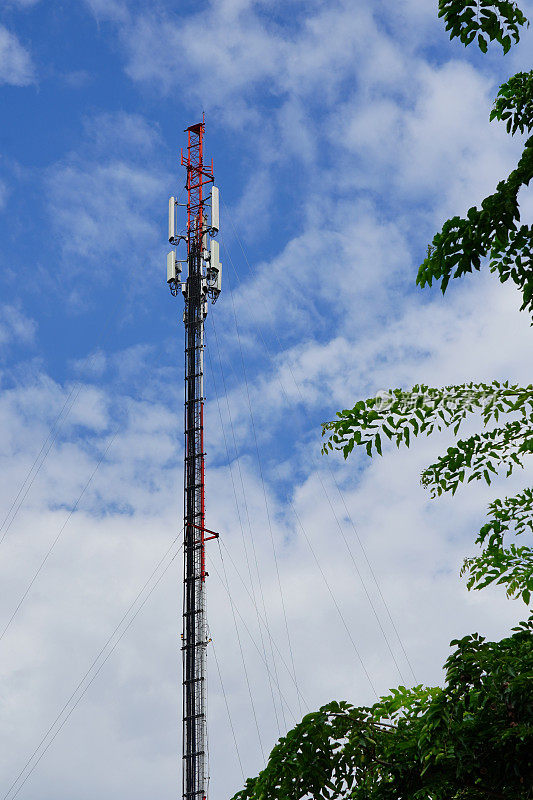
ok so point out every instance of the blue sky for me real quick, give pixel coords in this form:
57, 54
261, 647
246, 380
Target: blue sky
343, 134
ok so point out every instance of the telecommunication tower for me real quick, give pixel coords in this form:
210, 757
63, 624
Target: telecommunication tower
202, 282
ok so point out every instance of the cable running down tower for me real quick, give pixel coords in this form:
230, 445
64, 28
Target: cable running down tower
203, 282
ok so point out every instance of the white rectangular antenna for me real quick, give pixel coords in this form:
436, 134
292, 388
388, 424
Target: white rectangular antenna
215, 217
171, 219
215, 254
215, 267
171, 266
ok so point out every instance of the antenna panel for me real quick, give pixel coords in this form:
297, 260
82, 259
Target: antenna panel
215, 254
171, 219
215, 216
215, 267
172, 272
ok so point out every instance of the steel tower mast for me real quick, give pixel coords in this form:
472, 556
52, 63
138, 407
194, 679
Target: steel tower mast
203, 281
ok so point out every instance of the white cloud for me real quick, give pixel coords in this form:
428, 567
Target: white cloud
4, 193
462, 338
103, 201
120, 132
328, 45
77, 79
435, 141
126, 521
15, 327
251, 214
93, 366
344, 256
115, 10
357, 103
23, 3
103, 208
16, 67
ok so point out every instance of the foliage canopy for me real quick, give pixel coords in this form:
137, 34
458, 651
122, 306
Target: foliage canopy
493, 229
489, 20
399, 416
461, 742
